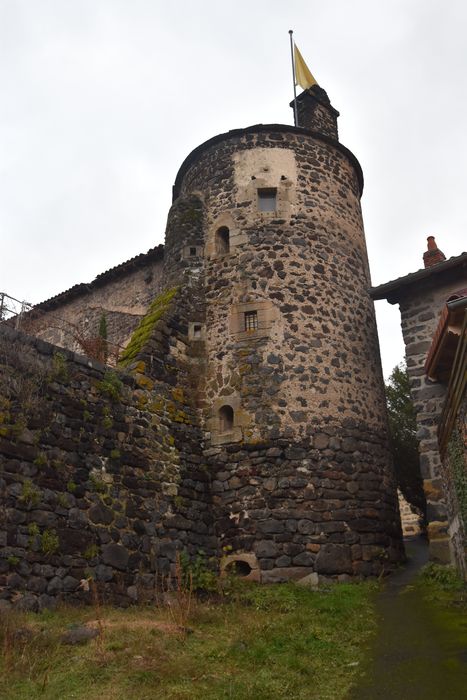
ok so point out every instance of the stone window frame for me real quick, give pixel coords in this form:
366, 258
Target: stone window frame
192, 334
187, 254
236, 237
240, 420
285, 195
265, 169
267, 314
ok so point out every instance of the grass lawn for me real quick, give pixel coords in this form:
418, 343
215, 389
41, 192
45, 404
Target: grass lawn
273, 642
446, 593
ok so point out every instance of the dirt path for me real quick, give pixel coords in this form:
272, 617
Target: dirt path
416, 656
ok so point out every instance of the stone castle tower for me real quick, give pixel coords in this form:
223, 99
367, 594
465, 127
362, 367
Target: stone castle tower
265, 240
246, 416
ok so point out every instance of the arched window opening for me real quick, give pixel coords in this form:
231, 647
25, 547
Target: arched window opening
222, 240
226, 419
239, 568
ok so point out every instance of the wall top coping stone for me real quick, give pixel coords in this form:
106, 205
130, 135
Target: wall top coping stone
43, 347
258, 129
402, 287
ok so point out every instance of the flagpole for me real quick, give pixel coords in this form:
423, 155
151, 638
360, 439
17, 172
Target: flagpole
294, 84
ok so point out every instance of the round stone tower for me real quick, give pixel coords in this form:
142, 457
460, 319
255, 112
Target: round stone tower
266, 237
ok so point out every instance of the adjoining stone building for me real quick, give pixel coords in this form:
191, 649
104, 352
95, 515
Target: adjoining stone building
253, 423
121, 295
433, 304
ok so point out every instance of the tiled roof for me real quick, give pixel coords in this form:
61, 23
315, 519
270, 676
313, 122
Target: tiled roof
394, 289
153, 254
448, 316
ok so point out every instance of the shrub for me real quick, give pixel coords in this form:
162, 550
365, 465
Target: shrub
446, 577
29, 493
91, 552
49, 542
33, 531
198, 572
71, 486
41, 460
59, 366
111, 385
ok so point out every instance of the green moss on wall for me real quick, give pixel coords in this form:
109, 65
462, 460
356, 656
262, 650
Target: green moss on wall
143, 332
192, 215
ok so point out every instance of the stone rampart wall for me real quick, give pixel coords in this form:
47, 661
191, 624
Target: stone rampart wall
100, 475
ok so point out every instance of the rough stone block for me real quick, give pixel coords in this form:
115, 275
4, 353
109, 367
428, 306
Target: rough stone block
334, 559
281, 575
266, 549
115, 555
309, 581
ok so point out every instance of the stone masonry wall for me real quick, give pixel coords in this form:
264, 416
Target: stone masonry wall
419, 319
100, 475
123, 299
323, 505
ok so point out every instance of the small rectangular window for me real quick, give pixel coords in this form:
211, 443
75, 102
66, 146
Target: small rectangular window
251, 320
192, 252
197, 328
267, 199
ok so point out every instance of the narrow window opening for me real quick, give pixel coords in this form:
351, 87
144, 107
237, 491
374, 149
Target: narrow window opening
222, 240
192, 252
226, 419
197, 328
267, 199
251, 320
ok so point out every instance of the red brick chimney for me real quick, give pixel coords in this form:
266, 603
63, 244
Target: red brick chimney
433, 255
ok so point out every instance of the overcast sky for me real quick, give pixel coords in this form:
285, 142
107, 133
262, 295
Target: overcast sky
101, 101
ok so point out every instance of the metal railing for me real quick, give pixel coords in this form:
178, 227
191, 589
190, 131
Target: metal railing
13, 309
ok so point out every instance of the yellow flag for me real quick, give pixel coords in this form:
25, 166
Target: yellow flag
303, 75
